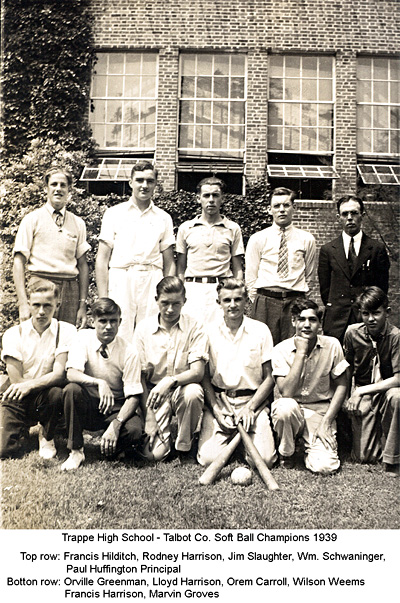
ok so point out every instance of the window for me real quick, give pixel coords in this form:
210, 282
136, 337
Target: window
124, 96
301, 124
212, 116
378, 106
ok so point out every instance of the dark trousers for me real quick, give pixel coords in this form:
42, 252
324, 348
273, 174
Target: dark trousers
69, 296
276, 314
17, 416
81, 412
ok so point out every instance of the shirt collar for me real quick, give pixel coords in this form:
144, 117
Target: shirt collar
199, 220
381, 335
319, 344
52, 327
155, 324
51, 209
347, 238
277, 228
134, 206
109, 346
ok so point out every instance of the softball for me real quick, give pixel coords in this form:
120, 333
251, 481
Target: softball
241, 476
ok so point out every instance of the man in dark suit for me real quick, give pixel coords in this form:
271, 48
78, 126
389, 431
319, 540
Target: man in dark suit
347, 265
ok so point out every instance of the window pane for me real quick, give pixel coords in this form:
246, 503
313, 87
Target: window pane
238, 64
147, 135
133, 62
292, 89
148, 86
203, 112
292, 114
99, 85
221, 64
275, 138
381, 69
221, 87
395, 117
292, 139
114, 111
220, 137
187, 111
188, 64
186, 136
292, 65
116, 63
325, 90
99, 134
220, 112
204, 64
113, 136
395, 92
148, 112
364, 141
395, 142
380, 117
364, 92
309, 66
101, 64
325, 117
115, 86
132, 86
276, 89
131, 112
187, 87
381, 92
238, 113
395, 69
236, 137
203, 134
237, 87
99, 113
364, 68
309, 90
309, 115
149, 64
131, 136
308, 139
381, 141
325, 66
364, 116
275, 66
275, 114
204, 87
325, 139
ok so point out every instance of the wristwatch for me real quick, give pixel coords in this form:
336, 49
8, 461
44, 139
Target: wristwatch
119, 420
174, 383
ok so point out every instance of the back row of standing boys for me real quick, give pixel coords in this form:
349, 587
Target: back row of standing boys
211, 365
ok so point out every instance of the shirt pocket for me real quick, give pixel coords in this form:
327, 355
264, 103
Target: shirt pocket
70, 245
252, 358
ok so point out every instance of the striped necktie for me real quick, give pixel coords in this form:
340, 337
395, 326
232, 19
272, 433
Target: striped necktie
59, 219
283, 260
103, 350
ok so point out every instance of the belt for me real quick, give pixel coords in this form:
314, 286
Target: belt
203, 279
279, 294
235, 393
50, 277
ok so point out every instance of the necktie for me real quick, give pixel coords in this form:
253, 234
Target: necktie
352, 257
103, 350
375, 364
59, 220
283, 262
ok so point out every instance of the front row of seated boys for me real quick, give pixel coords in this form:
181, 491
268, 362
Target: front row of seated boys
209, 377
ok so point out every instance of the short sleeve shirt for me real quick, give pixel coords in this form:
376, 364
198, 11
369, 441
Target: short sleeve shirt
359, 352
237, 362
167, 353
37, 352
121, 369
325, 362
136, 237
209, 247
48, 248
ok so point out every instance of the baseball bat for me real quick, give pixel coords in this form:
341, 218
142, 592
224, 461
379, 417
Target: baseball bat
252, 451
211, 473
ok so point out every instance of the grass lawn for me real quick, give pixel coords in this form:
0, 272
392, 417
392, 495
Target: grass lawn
135, 495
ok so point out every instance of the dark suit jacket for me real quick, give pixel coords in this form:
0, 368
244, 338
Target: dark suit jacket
339, 289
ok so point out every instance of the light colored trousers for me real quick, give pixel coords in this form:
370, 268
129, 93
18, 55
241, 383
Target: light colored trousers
186, 403
201, 302
213, 439
134, 290
290, 419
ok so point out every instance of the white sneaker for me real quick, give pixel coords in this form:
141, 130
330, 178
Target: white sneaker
47, 449
76, 457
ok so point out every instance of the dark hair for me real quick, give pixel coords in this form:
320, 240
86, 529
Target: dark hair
143, 165
42, 285
232, 283
170, 284
281, 190
212, 180
347, 198
301, 304
371, 299
105, 305
58, 170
